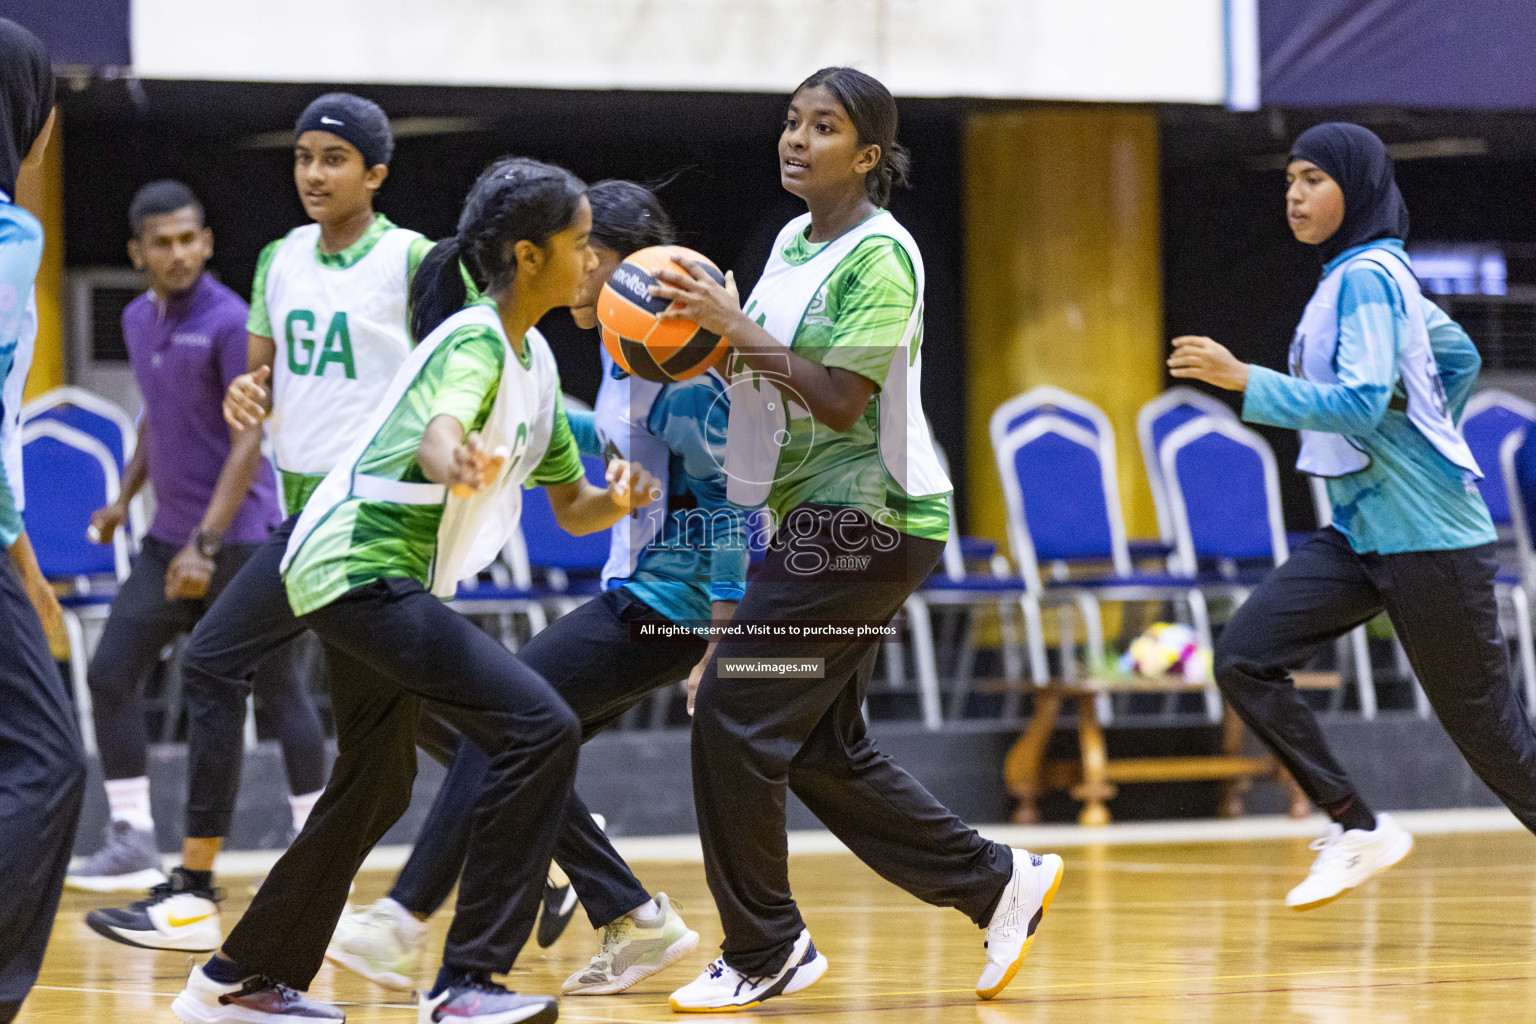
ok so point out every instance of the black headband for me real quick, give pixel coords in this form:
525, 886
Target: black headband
353, 119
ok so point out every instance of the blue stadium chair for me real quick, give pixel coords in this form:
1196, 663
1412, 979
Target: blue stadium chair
68, 475
571, 566
1054, 401
1063, 502
1042, 401
1154, 422
1517, 461
1223, 492
1490, 417
91, 414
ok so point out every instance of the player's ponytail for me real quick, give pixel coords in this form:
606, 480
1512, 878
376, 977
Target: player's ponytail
512, 200
438, 290
872, 110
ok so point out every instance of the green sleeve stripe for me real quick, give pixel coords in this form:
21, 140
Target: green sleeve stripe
562, 462
259, 322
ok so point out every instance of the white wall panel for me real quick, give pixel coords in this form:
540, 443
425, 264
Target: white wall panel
1125, 50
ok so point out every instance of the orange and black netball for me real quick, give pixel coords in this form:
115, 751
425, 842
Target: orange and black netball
633, 334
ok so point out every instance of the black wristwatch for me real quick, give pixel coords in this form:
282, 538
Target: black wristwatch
208, 543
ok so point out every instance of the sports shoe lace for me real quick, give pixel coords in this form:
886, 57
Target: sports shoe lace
481, 982
613, 934
1330, 849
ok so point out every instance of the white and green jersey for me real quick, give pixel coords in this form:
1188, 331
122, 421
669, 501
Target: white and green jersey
376, 516
340, 323
854, 302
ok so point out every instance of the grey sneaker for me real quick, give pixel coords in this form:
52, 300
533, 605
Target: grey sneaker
633, 951
129, 861
476, 999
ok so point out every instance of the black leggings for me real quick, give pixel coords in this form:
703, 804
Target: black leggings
755, 737
1442, 605
389, 646
142, 622
577, 654
42, 781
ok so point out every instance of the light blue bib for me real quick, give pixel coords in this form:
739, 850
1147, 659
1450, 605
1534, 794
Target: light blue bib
1312, 358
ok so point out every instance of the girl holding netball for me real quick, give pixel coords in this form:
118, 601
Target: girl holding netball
426, 496
1378, 379
827, 428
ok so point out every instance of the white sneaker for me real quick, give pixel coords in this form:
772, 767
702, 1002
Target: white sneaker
1345, 859
1019, 912
253, 1001
723, 989
382, 942
633, 951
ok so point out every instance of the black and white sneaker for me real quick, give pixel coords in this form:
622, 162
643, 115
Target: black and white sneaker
556, 912
476, 999
721, 988
176, 916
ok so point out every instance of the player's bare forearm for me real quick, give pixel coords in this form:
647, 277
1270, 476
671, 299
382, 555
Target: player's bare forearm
834, 396
137, 470
234, 483
581, 508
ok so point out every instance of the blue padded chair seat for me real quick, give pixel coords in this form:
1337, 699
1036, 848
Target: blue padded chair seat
1510, 577
94, 599
977, 549
1149, 548
1135, 579
974, 584
496, 592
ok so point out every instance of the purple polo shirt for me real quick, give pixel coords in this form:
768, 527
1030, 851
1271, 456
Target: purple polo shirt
184, 353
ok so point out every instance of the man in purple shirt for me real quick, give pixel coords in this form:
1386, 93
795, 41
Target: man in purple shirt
186, 341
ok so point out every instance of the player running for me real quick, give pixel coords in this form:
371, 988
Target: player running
827, 429
1379, 377
681, 561
328, 330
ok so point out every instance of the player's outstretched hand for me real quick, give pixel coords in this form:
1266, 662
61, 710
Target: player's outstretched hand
245, 403
695, 296
1199, 358
630, 486
474, 467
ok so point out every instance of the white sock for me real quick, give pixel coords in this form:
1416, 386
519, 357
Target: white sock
302, 805
129, 801
647, 911
404, 919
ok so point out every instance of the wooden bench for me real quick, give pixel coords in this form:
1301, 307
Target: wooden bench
1093, 777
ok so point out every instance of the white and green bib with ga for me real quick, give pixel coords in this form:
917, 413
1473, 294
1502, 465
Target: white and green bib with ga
341, 327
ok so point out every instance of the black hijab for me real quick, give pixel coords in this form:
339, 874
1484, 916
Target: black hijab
1355, 158
26, 98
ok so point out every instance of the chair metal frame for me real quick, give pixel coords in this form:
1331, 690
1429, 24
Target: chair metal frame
76, 616
1147, 416
1064, 593
1519, 593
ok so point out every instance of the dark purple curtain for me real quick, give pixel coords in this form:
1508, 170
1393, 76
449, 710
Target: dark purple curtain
1421, 53
89, 33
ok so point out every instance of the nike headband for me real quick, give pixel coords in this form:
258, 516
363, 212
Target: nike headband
361, 122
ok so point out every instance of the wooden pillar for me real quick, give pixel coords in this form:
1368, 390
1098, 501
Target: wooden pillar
41, 193
1063, 278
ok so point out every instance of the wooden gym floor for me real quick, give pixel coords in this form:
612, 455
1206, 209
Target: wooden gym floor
1190, 933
